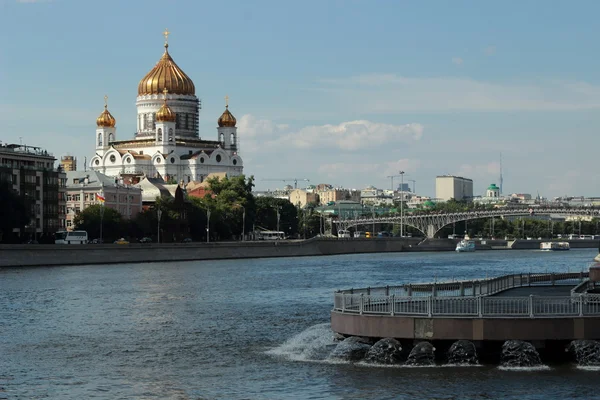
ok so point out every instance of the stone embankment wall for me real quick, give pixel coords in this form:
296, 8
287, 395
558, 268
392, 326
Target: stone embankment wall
50, 255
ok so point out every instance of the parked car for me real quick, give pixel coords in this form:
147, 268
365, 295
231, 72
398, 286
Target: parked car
146, 240
97, 241
187, 240
121, 241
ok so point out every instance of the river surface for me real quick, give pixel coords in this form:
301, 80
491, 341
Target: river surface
241, 329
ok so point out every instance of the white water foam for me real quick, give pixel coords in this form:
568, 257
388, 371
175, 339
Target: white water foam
593, 368
525, 369
313, 344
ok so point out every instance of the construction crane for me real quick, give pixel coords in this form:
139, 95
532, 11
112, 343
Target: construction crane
393, 176
413, 181
295, 180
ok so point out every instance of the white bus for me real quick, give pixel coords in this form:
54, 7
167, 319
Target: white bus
344, 233
74, 237
270, 235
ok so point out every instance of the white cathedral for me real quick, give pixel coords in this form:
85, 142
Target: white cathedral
167, 144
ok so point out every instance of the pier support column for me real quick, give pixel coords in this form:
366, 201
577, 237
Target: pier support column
430, 231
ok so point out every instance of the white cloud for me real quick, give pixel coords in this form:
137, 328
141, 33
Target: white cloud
488, 171
457, 60
390, 93
490, 50
347, 136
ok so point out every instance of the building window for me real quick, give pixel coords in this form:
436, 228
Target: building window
99, 139
113, 159
159, 134
128, 160
172, 160
110, 137
218, 158
201, 160
97, 162
158, 160
170, 134
234, 162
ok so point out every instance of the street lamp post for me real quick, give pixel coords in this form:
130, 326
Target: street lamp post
101, 221
243, 224
402, 204
158, 214
208, 225
278, 216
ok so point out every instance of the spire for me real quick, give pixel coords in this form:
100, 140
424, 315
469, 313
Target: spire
166, 33
165, 114
105, 120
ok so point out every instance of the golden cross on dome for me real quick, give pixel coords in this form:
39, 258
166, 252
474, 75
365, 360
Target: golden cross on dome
165, 91
105, 101
226, 101
166, 33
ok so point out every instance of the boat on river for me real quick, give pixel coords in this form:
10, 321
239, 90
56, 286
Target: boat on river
465, 245
555, 246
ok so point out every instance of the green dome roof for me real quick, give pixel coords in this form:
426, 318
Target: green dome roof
429, 203
493, 187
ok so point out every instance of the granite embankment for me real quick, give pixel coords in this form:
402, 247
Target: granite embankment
53, 255
49, 255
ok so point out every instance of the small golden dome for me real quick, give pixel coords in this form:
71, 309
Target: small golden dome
165, 114
166, 74
106, 120
227, 118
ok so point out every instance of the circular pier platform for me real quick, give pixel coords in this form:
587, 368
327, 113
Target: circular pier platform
529, 307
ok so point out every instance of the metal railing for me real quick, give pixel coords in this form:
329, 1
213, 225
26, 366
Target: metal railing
473, 298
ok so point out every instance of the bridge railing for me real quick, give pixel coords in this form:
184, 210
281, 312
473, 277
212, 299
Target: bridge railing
472, 298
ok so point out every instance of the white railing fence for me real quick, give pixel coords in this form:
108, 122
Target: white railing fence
472, 298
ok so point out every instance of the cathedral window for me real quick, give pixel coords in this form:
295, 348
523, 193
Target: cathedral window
177, 121
218, 158
201, 160
153, 121
97, 162
170, 134
186, 122
99, 139
232, 139
159, 134
113, 159
172, 160
110, 137
234, 162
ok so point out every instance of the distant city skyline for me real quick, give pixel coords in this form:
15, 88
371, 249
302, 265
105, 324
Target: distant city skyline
338, 92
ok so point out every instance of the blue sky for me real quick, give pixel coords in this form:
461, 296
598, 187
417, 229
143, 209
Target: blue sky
343, 92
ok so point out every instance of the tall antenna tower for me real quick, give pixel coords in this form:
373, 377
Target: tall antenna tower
501, 174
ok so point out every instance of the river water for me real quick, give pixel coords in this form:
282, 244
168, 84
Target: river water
241, 329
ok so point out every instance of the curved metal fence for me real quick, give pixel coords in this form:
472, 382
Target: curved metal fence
474, 298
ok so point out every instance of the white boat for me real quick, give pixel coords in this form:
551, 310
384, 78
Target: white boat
465, 245
555, 246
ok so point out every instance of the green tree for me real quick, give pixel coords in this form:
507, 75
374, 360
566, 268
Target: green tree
14, 211
90, 219
266, 215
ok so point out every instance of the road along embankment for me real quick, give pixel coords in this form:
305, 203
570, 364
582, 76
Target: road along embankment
54, 255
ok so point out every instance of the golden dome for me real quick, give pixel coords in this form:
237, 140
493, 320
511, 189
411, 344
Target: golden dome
165, 114
106, 120
227, 118
166, 74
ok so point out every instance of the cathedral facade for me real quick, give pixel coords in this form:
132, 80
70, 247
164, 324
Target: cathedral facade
166, 144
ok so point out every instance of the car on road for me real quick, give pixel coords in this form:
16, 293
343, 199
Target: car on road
121, 241
146, 240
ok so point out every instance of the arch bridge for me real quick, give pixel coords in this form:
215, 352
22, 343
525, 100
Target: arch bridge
432, 223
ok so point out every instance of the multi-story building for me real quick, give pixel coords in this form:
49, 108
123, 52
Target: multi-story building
82, 187
336, 194
68, 163
301, 198
32, 174
453, 187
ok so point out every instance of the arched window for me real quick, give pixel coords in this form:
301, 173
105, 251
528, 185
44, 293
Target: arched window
153, 120
99, 139
232, 139
110, 137
159, 132
170, 134
222, 138
186, 122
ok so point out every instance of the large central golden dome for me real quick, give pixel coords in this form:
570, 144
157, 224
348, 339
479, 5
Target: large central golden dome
166, 74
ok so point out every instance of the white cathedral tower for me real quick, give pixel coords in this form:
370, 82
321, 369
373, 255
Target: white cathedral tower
167, 144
